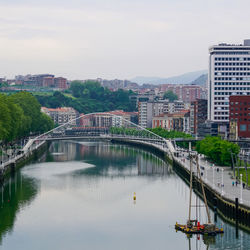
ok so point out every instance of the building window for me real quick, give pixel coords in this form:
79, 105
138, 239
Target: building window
243, 127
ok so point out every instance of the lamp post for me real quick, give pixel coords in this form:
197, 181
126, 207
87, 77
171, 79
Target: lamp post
222, 183
2, 155
205, 173
241, 200
213, 175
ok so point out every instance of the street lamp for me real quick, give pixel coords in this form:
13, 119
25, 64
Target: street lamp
241, 201
213, 175
222, 183
2, 155
206, 173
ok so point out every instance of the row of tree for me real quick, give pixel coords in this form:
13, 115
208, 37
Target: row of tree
130, 131
20, 115
169, 134
218, 150
146, 133
88, 97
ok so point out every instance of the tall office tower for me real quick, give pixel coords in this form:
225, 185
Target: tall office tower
229, 74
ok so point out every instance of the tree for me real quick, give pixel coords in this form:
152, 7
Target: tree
77, 88
30, 106
46, 123
217, 150
19, 115
170, 96
90, 97
5, 119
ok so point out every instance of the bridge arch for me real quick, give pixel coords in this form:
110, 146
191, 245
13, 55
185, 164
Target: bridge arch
138, 127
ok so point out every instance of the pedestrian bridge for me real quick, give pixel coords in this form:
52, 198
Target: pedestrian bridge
102, 126
107, 126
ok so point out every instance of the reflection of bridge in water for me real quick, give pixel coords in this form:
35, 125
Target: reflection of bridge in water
147, 162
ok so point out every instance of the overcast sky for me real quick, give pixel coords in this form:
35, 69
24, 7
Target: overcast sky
122, 39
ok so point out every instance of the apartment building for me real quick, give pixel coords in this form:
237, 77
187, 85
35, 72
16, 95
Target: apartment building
61, 115
178, 121
116, 118
42, 80
198, 115
186, 93
147, 110
175, 106
60, 83
150, 109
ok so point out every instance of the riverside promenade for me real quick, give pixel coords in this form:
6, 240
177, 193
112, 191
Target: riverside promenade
217, 178
16, 158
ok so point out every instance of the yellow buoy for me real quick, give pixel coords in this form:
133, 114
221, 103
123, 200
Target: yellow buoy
134, 196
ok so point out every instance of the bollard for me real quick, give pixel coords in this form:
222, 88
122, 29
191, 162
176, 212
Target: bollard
237, 217
215, 209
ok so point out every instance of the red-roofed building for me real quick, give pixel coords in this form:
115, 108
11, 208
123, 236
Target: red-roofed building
61, 115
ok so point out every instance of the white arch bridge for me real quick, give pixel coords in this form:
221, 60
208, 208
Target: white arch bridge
102, 126
109, 126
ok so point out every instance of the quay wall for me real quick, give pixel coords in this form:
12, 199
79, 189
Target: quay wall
21, 160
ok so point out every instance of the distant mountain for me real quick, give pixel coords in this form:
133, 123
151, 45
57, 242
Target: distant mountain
181, 79
201, 80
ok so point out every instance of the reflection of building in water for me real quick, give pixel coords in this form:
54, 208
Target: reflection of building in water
149, 164
63, 151
113, 151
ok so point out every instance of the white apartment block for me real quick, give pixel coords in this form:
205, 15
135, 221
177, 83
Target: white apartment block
150, 109
147, 110
145, 114
229, 74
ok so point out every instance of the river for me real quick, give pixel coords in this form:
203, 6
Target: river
80, 195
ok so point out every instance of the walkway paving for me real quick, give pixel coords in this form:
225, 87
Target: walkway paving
220, 179
15, 158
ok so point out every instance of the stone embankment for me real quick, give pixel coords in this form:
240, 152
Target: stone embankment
23, 157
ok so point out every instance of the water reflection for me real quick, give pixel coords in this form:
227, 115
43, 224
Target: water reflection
100, 155
81, 195
17, 193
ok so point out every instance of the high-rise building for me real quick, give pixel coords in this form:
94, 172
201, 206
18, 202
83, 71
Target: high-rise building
229, 74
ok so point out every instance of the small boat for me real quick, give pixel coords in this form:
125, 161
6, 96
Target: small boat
199, 229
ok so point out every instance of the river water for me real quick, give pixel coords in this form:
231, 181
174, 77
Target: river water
80, 195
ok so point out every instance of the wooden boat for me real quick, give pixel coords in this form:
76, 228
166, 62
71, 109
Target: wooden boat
198, 229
